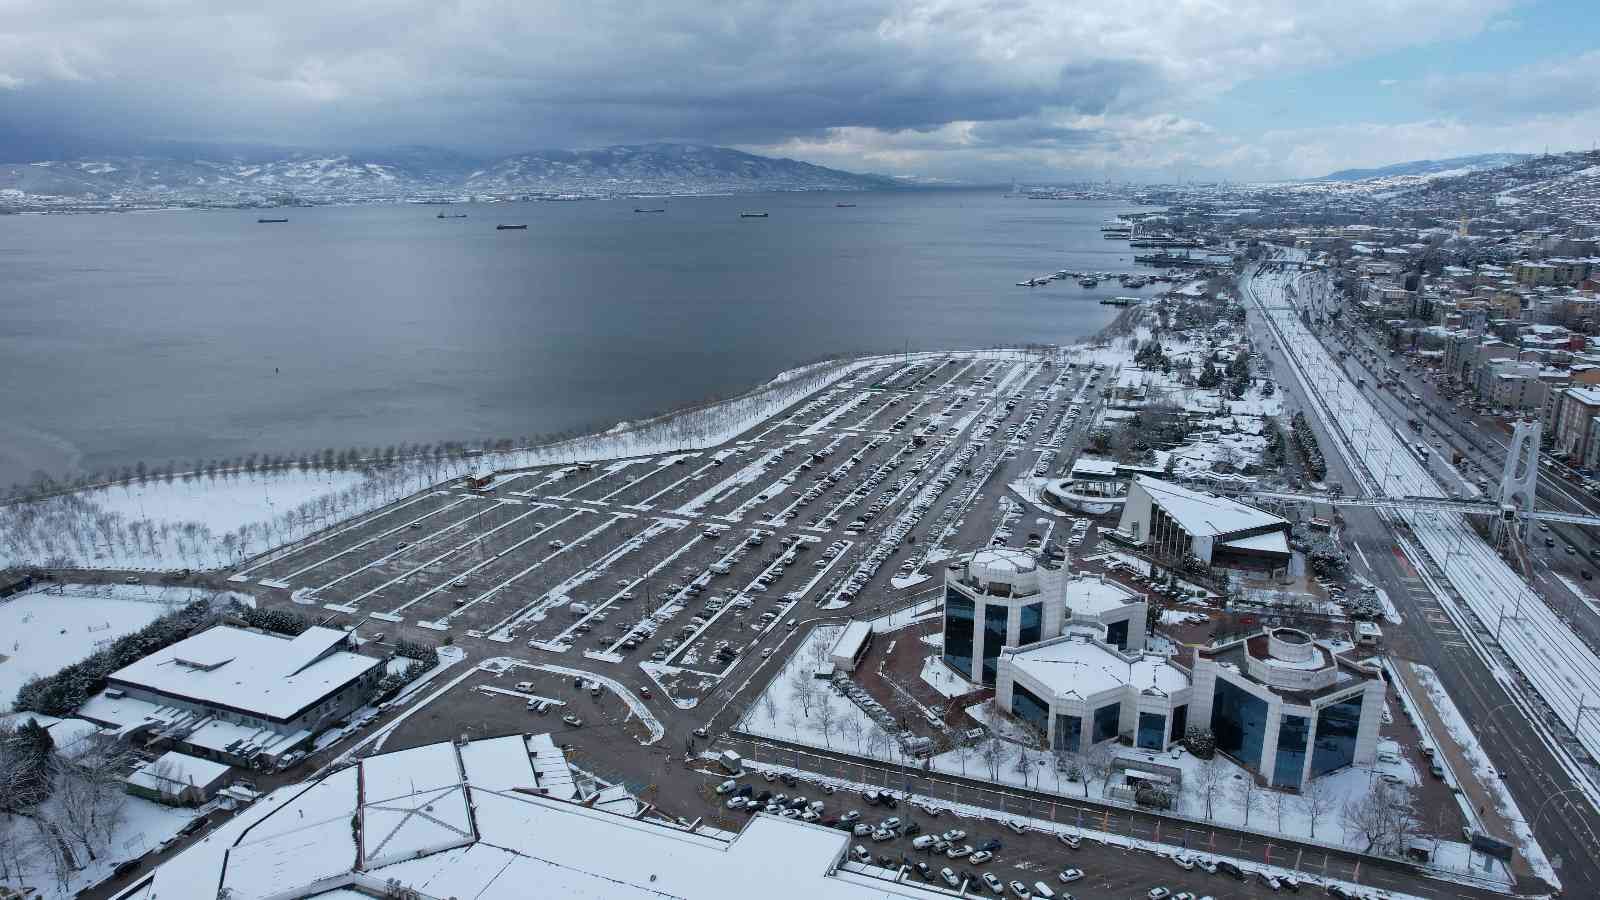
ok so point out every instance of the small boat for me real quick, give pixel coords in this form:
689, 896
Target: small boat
451, 216
1087, 282
269, 221
752, 215
511, 228
638, 210
1119, 301
845, 205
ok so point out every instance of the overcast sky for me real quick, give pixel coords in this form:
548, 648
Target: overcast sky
981, 89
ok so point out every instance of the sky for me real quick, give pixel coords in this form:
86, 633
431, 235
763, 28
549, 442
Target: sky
1144, 90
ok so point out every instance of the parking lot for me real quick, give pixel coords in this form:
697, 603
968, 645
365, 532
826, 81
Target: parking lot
679, 568
909, 846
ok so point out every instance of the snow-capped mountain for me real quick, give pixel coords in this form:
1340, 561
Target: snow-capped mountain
416, 173
1459, 165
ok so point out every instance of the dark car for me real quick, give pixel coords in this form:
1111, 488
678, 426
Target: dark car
1333, 890
124, 867
991, 845
911, 829
764, 796
1229, 868
923, 870
788, 779
889, 801
744, 790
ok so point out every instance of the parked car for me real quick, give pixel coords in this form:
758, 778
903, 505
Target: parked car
994, 883
1068, 876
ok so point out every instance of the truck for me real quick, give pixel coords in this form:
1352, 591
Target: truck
730, 760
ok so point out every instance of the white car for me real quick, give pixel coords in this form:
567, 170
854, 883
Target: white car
950, 877
1020, 890
1184, 862
981, 857
1158, 893
954, 834
1042, 891
1207, 864
959, 852
994, 883
727, 786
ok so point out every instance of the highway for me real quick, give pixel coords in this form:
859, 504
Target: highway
1437, 631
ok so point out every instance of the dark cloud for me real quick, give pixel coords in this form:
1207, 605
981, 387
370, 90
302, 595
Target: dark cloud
491, 76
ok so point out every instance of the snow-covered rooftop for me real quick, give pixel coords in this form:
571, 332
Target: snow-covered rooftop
301, 841
1275, 541
1089, 595
1204, 514
173, 771
1073, 665
261, 674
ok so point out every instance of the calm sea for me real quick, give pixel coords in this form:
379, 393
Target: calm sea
191, 335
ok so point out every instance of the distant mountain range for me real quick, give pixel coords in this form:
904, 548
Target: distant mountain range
416, 173
1458, 165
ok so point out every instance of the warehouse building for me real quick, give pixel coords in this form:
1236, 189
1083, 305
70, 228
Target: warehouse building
1174, 522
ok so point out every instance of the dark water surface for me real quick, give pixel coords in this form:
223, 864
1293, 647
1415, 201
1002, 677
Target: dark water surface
184, 335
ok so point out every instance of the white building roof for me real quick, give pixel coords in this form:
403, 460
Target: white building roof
1072, 665
173, 771
1204, 514
261, 674
1090, 595
1274, 541
299, 841
850, 640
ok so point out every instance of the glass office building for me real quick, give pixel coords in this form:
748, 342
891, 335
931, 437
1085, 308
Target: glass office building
1239, 721
996, 619
1032, 630
1069, 733
1030, 709
958, 627
1338, 725
1293, 734
1152, 733
1106, 721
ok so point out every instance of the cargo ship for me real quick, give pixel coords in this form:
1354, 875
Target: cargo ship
511, 228
752, 215
269, 221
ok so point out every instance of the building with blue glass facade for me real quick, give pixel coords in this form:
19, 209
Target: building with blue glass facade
1077, 691
1003, 597
1286, 707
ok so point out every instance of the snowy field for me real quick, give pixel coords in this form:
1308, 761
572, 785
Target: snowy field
806, 710
41, 631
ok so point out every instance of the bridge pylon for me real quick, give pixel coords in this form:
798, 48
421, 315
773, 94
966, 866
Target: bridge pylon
1519, 480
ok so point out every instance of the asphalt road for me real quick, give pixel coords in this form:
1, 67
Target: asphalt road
1566, 830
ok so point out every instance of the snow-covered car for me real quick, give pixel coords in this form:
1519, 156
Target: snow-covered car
954, 834
1020, 890
980, 857
1068, 876
950, 877
958, 852
994, 883
1158, 893
572, 720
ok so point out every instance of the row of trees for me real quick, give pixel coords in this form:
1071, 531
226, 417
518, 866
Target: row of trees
1305, 440
62, 693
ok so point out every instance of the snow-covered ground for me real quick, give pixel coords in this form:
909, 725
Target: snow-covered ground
939, 676
780, 712
42, 629
143, 826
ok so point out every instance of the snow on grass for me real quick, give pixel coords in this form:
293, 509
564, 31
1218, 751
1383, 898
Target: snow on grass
939, 676
143, 826
781, 712
46, 628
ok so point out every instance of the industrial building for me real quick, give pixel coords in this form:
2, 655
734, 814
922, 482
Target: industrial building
500, 818
236, 695
1174, 522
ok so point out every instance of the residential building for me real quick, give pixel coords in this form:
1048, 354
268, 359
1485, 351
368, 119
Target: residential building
1577, 407
178, 779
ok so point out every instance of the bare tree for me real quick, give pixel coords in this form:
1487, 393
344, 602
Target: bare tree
850, 728
876, 740
1246, 791
1385, 816
827, 718
1211, 777
1317, 798
770, 707
992, 750
1022, 765
1097, 764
